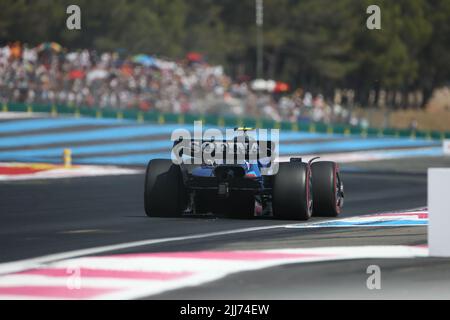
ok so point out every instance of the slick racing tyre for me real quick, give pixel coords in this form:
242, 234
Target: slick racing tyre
291, 197
328, 189
164, 194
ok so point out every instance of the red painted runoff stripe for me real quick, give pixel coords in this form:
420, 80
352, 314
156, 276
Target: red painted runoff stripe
151, 273
224, 255
18, 170
103, 273
420, 214
56, 292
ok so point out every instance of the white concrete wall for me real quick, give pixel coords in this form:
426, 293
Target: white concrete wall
439, 212
446, 147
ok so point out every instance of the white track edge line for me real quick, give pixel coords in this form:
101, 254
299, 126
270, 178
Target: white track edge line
20, 265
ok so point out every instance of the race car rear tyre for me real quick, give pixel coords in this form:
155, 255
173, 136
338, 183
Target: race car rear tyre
164, 194
328, 189
291, 197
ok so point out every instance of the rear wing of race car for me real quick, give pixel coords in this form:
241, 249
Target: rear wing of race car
237, 151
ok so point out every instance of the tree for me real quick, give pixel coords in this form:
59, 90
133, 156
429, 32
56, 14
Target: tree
434, 58
317, 44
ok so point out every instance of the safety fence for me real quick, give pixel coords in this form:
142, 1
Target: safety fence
223, 121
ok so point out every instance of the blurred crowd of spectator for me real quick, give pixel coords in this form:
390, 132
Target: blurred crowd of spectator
49, 75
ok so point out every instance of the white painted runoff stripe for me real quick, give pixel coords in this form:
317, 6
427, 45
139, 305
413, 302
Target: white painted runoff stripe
19, 115
17, 266
73, 172
395, 219
371, 155
36, 262
131, 276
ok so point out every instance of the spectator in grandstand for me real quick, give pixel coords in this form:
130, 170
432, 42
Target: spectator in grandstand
49, 75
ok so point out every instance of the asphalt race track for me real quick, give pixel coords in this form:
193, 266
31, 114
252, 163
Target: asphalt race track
45, 217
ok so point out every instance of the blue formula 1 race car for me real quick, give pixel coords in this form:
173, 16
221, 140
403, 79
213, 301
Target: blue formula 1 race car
244, 185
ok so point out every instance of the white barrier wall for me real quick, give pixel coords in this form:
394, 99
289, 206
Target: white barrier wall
439, 212
446, 147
